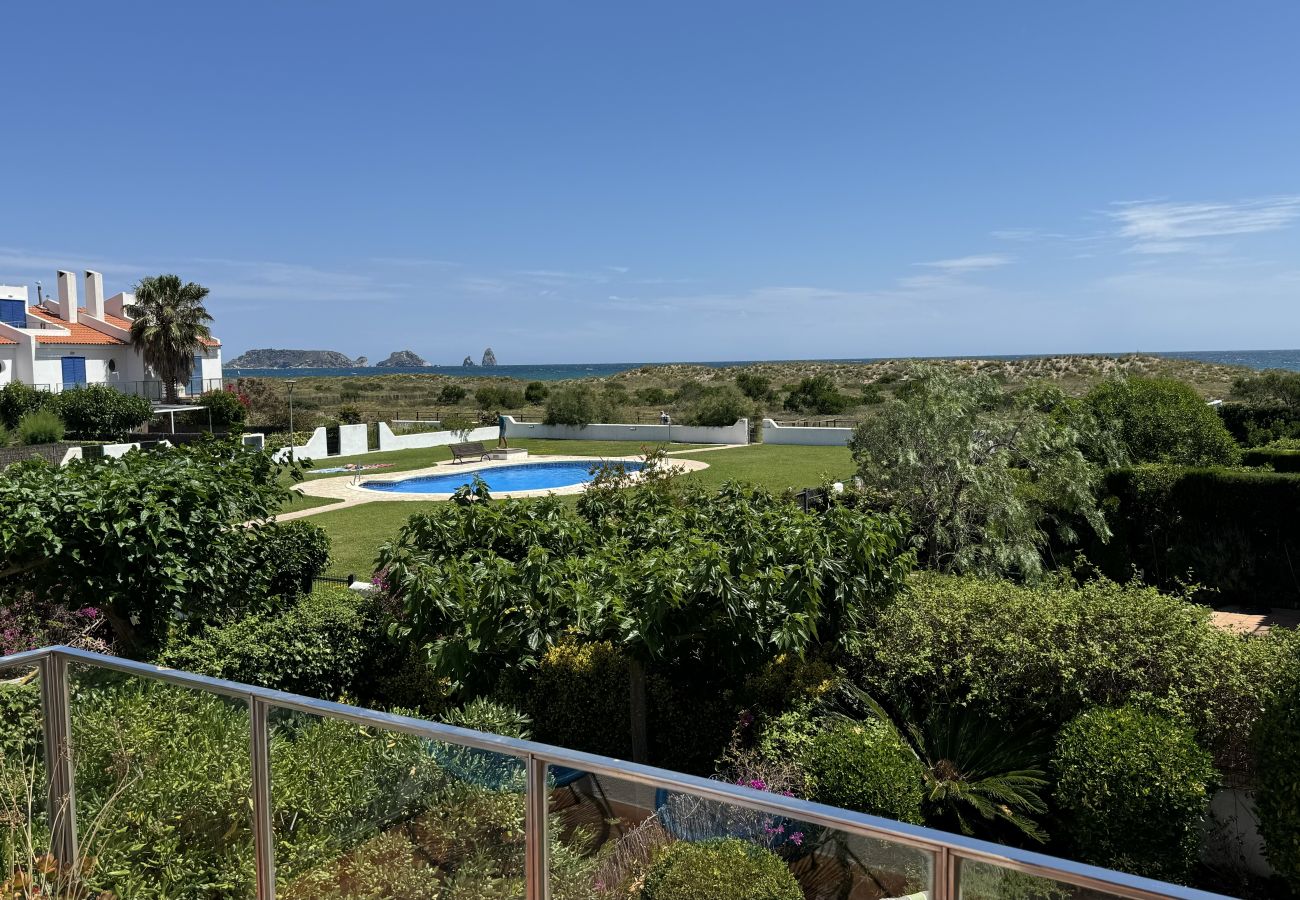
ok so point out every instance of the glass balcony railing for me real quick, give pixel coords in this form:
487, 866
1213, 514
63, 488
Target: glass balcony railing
152, 782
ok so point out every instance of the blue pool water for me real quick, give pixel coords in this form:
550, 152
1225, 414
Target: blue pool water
539, 476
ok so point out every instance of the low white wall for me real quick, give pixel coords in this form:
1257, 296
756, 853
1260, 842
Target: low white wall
650, 434
390, 441
315, 448
810, 437
353, 439
256, 440
116, 450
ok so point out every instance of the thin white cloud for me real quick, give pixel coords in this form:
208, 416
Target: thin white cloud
1027, 235
964, 264
414, 262
1163, 227
622, 270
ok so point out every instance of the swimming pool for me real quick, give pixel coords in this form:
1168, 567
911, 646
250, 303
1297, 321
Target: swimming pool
538, 476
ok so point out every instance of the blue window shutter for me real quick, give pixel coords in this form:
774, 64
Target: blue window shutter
13, 312
74, 370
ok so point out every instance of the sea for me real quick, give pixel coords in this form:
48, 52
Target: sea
1254, 359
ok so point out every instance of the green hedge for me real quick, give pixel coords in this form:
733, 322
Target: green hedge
1277, 460
1234, 531
1133, 791
1277, 747
317, 647
1253, 424
721, 869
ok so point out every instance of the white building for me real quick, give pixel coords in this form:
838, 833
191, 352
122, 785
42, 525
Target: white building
56, 344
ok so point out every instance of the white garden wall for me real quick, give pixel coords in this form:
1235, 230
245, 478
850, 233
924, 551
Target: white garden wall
650, 434
353, 439
806, 436
315, 448
390, 441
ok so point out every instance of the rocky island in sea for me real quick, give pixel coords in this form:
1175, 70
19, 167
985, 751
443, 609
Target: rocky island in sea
469, 363
269, 358
401, 358
489, 358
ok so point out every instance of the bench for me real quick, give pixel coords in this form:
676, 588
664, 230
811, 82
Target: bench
461, 452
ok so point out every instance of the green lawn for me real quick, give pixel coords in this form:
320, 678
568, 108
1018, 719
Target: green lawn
305, 501
357, 532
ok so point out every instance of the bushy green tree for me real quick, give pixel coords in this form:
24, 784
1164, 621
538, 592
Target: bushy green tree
818, 394
1132, 788
580, 405
1273, 386
756, 387
721, 406
160, 539
536, 392
1162, 420
99, 411
168, 325
985, 480
731, 577
452, 393
498, 397
17, 399
228, 409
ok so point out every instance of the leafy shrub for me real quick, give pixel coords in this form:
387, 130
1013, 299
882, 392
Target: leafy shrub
579, 405
350, 415
288, 556
228, 409
872, 395
1233, 531
535, 392
722, 406
1278, 460
722, 869
1162, 420
41, 426
496, 397
1132, 789
756, 387
452, 393
817, 394
1047, 652
99, 411
864, 766
653, 396
577, 698
318, 646
1277, 795
17, 399
4, 436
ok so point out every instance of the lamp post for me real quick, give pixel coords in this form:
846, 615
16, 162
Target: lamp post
290, 382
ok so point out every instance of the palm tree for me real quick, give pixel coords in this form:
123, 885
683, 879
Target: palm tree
168, 323
977, 772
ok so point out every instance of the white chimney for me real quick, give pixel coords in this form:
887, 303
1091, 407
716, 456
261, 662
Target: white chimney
94, 295
67, 298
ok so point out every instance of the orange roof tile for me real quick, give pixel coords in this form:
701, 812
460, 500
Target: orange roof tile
79, 333
5, 340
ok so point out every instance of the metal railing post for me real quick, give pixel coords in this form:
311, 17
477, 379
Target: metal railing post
56, 719
259, 747
536, 814
945, 875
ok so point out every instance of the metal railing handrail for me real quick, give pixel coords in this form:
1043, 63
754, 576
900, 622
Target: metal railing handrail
947, 849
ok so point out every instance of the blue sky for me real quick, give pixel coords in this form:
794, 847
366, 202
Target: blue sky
596, 181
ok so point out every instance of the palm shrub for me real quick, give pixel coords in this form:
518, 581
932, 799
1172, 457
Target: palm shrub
720, 869
40, 426
168, 324
1132, 791
1277, 794
865, 766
